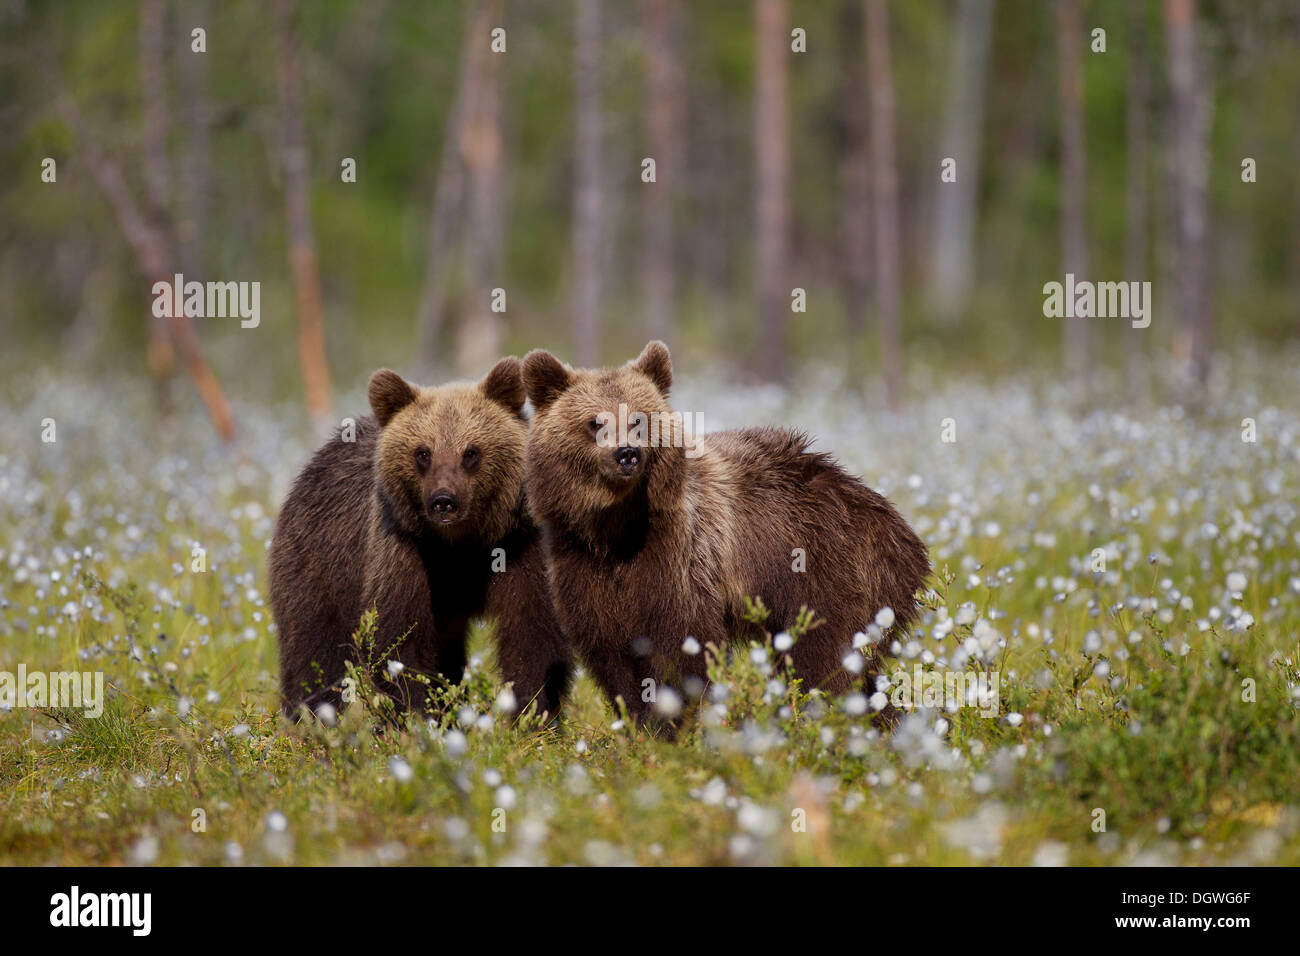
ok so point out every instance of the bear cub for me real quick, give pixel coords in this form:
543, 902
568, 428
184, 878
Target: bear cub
422, 517
649, 545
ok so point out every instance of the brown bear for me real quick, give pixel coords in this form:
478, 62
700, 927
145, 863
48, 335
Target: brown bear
651, 542
421, 517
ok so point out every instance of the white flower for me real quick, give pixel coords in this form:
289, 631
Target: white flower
885, 618
401, 770
691, 646
668, 702
1237, 582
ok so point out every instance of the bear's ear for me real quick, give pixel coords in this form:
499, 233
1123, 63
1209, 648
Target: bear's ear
655, 363
389, 394
505, 384
545, 377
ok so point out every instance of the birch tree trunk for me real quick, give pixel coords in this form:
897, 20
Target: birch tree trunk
663, 130
302, 241
1135, 189
481, 148
588, 185
956, 207
884, 200
1074, 237
448, 197
1191, 169
855, 168
771, 201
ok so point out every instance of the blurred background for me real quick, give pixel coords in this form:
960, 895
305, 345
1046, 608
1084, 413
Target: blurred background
430, 185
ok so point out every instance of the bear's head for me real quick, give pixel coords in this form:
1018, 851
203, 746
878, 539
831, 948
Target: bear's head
602, 437
450, 458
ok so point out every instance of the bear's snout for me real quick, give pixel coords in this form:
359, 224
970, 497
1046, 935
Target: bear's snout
628, 458
443, 505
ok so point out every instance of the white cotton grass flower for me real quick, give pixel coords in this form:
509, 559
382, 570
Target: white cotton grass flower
885, 618
395, 668
1237, 583
668, 702
691, 646
506, 702
401, 770
783, 641
1051, 853
855, 704
144, 852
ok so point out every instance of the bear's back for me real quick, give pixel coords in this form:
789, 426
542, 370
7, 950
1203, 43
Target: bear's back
317, 555
794, 501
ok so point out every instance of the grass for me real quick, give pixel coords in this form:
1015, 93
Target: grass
1132, 574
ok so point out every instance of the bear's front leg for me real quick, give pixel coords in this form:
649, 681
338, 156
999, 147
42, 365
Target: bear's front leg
532, 651
405, 642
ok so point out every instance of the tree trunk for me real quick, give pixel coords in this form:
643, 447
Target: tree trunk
772, 152
1191, 165
963, 123
588, 185
302, 241
161, 358
663, 130
152, 244
448, 196
481, 146
1074, 238
1135, 189
855, 168
196, 170
884, 199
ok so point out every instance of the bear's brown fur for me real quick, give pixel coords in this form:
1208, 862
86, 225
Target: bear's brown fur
648, 546
423, 518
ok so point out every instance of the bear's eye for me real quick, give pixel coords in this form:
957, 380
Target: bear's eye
593, 427
422, 457
470, 458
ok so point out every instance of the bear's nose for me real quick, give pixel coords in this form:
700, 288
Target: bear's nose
627, 457
443, 503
